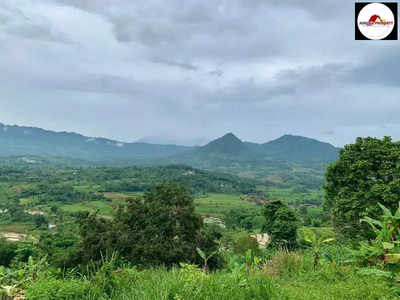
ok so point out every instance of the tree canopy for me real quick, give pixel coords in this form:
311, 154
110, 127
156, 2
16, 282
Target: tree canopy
281, 223
160, 228
367, 173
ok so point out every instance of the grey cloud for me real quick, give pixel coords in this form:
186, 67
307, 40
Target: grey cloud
174, 23
11, 12
93, 83
190, 29
134, 56
329, 132
288, 82
308, 80
383, 69
184, 66
38, 31
17, 23
217, 72
93, 6
317, 9
4, 19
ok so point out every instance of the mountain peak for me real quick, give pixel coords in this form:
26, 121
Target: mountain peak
229, 135
228, 144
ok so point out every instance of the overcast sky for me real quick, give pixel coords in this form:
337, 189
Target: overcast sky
191, 71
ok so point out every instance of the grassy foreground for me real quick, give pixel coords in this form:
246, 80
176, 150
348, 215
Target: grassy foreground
287, 275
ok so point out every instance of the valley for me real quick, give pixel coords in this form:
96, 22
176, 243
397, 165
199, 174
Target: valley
73, 212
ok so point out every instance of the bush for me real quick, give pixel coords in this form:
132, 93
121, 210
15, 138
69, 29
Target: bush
7, 252
52, 289
245, 242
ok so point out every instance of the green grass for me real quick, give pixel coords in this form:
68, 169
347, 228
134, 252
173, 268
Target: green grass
103, 207
16, 227
220, 203
298, 281
287, 196
121, 196
214, 204
26, 200
280, 193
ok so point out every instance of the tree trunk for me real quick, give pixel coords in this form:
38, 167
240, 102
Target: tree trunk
206, 268
316, 261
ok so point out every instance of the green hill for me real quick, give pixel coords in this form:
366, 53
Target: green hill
228, 145
20, 140
225, 152
299, 148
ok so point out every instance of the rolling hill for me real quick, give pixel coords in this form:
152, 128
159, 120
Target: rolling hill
299, 148
20, 140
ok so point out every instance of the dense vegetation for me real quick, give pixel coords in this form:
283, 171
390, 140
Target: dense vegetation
175, 232
284, 162
366, 173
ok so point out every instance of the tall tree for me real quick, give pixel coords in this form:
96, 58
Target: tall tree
160, 228
367, 173
281, 223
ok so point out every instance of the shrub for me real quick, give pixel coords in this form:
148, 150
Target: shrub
245, 242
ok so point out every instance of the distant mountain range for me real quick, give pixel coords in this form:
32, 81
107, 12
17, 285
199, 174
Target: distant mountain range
19, 140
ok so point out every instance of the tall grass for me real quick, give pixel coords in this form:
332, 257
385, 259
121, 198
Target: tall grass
284, 275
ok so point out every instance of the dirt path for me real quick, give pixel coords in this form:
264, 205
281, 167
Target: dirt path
13, 236
262, 239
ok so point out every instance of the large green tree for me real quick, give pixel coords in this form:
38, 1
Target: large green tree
160, 228
281, 223
367, 173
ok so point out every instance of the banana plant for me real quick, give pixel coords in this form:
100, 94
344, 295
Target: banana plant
205, 258
317, 243
248, 261
385, 249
